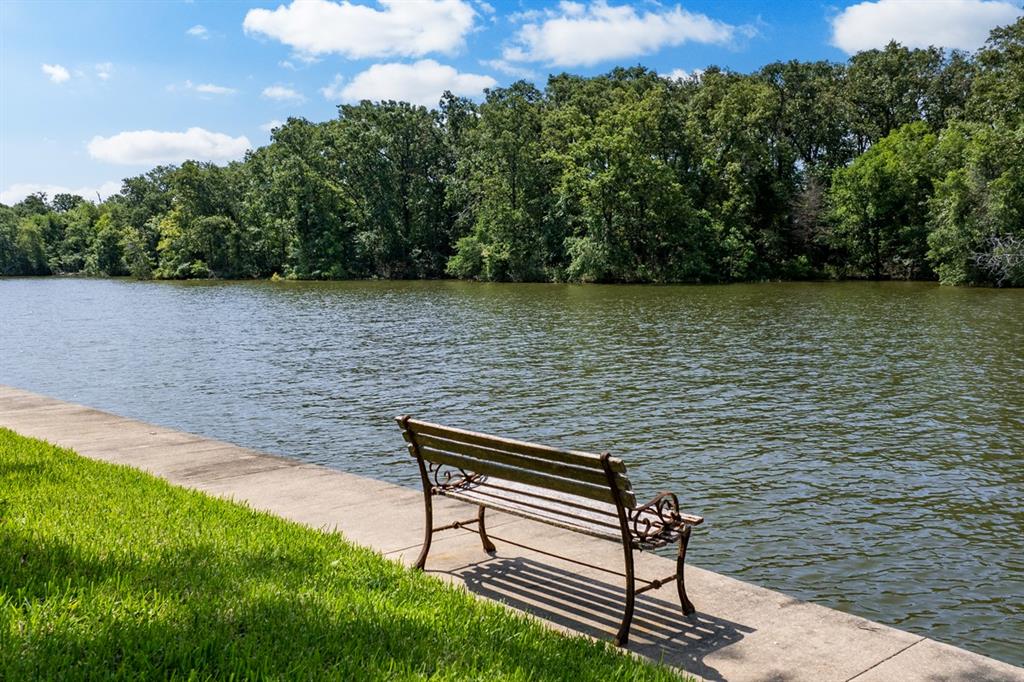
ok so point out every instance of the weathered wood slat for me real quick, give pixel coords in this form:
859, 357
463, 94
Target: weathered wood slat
501, 492
513, 459
495, 494
519, 491
593, 492
583, 459
551, 497
592, 530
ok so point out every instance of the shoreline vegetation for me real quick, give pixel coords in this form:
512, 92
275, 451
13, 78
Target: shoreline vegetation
108, 572
897, 164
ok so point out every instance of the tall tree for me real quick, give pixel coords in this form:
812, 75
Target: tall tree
977, 212
393, 163
880, 205
997, 90
509, 183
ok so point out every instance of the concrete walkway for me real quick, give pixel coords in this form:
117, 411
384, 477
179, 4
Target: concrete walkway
740, 631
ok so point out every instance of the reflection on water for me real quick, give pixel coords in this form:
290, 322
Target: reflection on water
856, 444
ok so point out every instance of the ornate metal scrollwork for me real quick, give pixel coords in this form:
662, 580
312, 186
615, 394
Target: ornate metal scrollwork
447, 477
655, 521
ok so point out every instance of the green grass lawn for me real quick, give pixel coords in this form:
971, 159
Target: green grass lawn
106, 572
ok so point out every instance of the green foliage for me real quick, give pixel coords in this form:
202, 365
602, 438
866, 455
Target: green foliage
136, 255
813, 112
631, 217
880, 204
509, 186
997, 91
79, 237
106, 257
748, 173
892, 87
468, 261
393, 161
108, 573
885, 166
309, 215
977, 212
30, 245
9, 255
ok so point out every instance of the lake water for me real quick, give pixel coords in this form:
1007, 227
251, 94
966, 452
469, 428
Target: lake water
860, 445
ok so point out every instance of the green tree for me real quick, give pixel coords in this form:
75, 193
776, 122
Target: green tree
891, 87
977, 212
10, 256
30, 245
308, 209
997, 89
79, 235
632, 217
145, 198
813, 114
34, 204
106, 255
510, 189
392, 159
747, 173
879, 205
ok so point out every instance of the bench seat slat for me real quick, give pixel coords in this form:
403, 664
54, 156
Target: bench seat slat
583, 459
592, 518
589, 511
589, 507
544, 497
479, 466
518, 460
508, 507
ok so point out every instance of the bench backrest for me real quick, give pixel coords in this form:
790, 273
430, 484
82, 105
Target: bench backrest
565, 471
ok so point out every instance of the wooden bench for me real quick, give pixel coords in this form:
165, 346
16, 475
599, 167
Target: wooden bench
577, 491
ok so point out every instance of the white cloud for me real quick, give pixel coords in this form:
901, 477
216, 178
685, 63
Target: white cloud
683, 74
399, 28
509, 68
19, 190
270, 125
420, 83
153, 146
962, 24
211, 89
333, 90
578, 35
202, 88
282, 94
572, 9
104, 71
56, 72
198, 31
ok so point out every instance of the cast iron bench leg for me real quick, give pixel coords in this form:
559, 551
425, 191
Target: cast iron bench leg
488, 545
687, 605
622, 638
429, 509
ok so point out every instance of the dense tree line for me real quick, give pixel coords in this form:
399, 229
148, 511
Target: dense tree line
900, 163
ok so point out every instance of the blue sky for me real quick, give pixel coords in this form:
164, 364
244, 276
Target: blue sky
91, 92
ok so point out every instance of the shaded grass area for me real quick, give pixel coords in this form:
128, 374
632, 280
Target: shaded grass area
109, 572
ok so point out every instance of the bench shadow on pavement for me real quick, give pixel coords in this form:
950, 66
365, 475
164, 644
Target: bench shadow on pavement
594, 607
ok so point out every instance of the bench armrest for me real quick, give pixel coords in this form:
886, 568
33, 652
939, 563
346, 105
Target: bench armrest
660, 517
